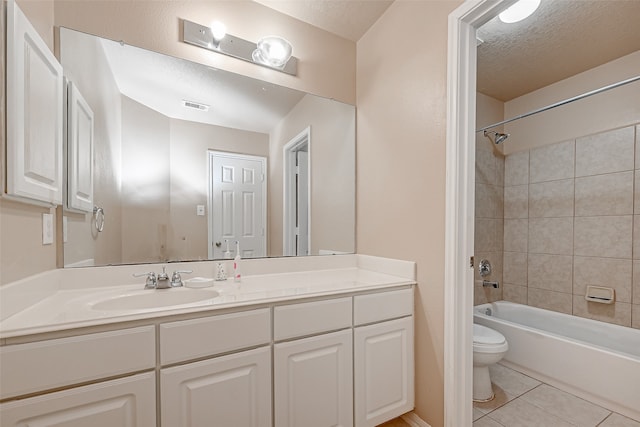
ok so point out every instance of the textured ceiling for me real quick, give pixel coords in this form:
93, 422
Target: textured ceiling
347, 18
561, 39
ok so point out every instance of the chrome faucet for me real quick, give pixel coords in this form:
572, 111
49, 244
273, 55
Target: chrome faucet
161, 280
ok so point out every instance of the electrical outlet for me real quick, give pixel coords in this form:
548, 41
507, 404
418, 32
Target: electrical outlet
47, 229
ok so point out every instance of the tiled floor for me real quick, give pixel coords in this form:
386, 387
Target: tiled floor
522, 401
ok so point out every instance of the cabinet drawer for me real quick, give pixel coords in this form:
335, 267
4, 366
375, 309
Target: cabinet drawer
32, 367
309, 318
129, 401
380, 306
190, 339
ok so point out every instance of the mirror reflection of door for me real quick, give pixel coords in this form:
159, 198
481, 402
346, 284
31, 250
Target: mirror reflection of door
237, 205
297, 241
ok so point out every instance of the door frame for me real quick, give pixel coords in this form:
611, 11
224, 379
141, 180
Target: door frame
460, 205
288, 199
210, 217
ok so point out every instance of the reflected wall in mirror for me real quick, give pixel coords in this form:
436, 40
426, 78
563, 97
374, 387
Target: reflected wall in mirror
153, 176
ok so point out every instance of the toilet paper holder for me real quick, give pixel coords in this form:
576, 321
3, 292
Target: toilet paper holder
600, 294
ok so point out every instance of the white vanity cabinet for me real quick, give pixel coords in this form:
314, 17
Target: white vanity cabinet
67, 362
383, 356
129, 401
313, 377
222, 390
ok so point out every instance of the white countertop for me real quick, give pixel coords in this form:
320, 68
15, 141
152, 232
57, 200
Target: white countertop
73, 306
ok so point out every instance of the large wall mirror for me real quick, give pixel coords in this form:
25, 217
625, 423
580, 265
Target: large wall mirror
188, 159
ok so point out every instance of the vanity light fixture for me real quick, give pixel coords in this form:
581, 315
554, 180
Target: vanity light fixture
272, 51
519, 11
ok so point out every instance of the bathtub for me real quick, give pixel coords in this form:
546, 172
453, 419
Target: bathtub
597, 361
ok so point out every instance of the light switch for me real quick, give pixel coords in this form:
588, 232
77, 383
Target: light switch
47, 229
200, 210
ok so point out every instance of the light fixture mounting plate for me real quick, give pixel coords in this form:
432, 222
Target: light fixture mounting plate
201, 36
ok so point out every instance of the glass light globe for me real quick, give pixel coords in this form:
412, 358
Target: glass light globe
519, 11
273, 51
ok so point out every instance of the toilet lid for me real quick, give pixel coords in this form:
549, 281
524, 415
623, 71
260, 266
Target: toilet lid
484, 335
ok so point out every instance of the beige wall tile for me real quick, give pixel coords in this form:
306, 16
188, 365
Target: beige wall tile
609, 194
549, 300
551, 272
608, 272
566, 406
500, 171
637, 146
552, 162
636, 237
516, 233
618, 313
485, 232
516, 169
486, 168
606, 152
551, 199
483, 295
514, 293
603, 236
516, 201
635, 317
551, 236
489, 202
515, 268
636, 283
636, 192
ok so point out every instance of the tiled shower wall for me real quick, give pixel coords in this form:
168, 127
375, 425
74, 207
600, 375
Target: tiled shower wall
489, 223
571, 219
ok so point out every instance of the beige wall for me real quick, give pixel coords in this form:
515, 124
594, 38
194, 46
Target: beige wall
401, 88
145, 183
155, 25
21, 250
615, 108
332, 126
86, 66
189, 179
489, 208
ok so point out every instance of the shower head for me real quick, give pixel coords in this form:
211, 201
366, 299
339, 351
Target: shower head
498, 138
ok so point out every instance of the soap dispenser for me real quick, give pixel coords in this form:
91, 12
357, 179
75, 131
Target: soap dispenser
236, 264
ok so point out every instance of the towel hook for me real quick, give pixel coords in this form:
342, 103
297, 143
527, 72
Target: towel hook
98, 215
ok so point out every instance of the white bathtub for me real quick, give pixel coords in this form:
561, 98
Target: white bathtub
594, 360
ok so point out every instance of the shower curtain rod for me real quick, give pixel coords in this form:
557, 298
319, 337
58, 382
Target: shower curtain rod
561, 103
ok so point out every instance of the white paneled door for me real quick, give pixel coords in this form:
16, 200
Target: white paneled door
237, 204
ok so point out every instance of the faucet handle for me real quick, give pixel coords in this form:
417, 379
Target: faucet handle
176, 279
151, 281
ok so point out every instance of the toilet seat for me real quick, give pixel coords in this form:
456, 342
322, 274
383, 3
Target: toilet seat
486, 340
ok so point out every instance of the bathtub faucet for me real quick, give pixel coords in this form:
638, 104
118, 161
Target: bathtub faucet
488, 284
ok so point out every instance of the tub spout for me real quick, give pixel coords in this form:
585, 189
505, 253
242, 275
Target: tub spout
488, 284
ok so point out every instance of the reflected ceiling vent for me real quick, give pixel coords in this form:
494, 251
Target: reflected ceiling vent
195, 105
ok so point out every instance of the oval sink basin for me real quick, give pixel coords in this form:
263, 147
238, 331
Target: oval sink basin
159, 298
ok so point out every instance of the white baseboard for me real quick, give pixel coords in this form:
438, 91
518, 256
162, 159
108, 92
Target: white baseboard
414, 420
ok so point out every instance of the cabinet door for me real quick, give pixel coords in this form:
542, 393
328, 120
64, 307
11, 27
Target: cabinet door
313, 381
126, 402
79, 151
233, 390
34, 113
383, 360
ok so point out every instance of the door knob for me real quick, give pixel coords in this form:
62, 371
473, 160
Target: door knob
218, 244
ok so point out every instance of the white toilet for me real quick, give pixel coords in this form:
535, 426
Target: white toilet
489, 347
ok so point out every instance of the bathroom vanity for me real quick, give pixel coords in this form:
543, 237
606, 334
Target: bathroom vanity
328, 344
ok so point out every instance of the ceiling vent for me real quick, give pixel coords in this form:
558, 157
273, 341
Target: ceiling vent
195, 105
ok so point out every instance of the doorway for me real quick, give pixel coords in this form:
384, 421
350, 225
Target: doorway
297, 195
237, 205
